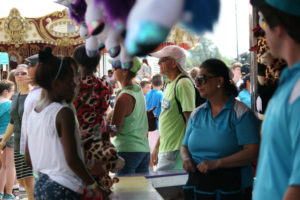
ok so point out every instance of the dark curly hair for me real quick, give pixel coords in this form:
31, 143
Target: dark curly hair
88, 63
51, 68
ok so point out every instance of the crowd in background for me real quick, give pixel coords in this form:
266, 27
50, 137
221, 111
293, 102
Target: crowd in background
217, 142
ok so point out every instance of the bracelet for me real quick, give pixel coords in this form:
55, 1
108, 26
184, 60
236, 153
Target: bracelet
93, 186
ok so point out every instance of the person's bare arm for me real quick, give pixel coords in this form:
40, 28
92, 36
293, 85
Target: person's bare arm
65, 123
248, 154
124, 107
154, 154
292, 193
188, 164
187, 116
7, 135
27, 154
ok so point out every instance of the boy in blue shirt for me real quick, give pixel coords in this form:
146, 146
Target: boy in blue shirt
278, 174
154, 99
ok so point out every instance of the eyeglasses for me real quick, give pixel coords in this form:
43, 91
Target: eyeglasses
30, 64
202, 79
20, 73
164, 59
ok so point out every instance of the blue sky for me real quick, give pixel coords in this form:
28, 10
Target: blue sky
224, 34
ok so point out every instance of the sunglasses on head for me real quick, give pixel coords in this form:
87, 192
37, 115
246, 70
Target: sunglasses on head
116, 64
202, 79
20, 73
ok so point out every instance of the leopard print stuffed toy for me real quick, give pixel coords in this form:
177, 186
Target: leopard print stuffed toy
274, 66
101, 158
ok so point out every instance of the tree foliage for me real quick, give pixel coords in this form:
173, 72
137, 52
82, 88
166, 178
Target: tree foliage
205, 50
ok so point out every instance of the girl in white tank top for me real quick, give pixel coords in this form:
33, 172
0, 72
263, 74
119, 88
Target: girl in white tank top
53, 145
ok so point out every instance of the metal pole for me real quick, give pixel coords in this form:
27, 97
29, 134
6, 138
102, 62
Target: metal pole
253, 22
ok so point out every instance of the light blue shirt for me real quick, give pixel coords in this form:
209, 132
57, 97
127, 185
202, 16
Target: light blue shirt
279, 158
4, 116
210, 138
245, 97
153, 99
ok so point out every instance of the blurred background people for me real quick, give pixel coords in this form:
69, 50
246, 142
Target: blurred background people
7, 165
145, 72
237, 75
153, 100
194, 73
146, 86
23, 171
244, 94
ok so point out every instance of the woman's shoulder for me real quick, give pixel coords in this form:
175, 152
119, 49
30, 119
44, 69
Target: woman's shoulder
198, 110
5, 106
240, 108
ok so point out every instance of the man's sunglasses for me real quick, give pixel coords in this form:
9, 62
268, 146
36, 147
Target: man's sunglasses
164, 59
20, 73
202, 79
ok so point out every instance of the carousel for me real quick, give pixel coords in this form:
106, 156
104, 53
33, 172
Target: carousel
21, 37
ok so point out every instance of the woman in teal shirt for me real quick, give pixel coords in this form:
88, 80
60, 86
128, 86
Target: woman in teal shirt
130, 119
7, 169
221, 140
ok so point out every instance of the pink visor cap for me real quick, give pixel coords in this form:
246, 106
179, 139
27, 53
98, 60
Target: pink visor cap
175, 52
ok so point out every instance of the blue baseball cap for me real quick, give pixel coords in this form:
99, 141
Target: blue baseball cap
288, 6
32, 60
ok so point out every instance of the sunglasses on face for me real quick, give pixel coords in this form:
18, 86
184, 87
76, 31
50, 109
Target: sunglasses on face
20, 73
202, 79
165, 59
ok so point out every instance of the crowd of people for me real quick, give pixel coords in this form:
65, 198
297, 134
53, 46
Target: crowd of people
57, 102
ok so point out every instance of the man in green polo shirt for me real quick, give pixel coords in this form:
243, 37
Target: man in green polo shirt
171, 122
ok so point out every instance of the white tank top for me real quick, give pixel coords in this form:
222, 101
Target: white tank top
46, 150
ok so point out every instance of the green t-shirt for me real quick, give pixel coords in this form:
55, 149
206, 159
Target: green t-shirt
132, 136
171, 124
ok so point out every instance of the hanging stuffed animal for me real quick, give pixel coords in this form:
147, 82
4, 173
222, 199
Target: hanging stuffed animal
101, 158
92, 45
150, 22
200, 15
116, 13
273, 65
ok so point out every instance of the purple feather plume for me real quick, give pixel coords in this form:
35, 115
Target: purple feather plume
77, 11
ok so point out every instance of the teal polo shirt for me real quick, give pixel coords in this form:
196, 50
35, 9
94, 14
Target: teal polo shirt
245, 97
210, 138
279, 158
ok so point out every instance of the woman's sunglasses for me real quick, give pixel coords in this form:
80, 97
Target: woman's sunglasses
116, 64
20, 73
202, 79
